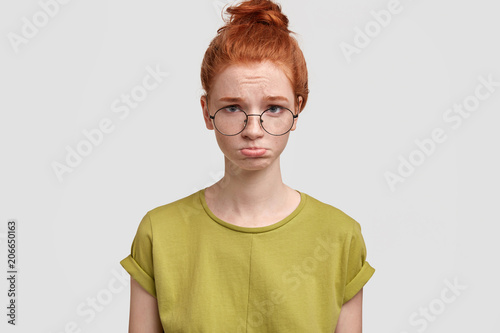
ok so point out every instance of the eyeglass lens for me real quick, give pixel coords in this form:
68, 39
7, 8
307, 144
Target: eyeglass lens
231, 120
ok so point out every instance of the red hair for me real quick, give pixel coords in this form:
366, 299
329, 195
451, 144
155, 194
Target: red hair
256, 31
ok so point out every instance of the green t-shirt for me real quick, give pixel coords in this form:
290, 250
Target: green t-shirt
212, 276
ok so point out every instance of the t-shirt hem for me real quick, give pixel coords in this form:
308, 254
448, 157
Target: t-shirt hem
358, 282
133, 268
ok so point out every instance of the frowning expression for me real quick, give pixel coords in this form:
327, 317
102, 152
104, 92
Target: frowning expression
252, 87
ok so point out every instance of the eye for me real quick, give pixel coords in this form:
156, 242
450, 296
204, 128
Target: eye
232, 108
276, 109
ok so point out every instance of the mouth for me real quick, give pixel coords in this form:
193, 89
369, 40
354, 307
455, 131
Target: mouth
253, 151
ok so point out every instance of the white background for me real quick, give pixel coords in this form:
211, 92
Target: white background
439, 225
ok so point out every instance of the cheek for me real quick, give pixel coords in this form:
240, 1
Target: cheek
224, 142
220, 141
279, 142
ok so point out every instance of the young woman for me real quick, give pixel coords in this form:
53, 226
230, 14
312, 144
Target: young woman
249, 253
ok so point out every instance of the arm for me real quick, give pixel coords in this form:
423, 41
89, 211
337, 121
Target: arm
144, 316
350, 318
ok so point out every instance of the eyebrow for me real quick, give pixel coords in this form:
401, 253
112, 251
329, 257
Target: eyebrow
267, 98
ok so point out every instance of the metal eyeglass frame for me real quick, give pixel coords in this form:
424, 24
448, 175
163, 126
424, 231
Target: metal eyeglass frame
254, 114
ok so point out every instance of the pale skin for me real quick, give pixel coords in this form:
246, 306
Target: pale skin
252, 188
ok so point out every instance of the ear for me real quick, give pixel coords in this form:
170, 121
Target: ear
206, 115
299, 102
299, 105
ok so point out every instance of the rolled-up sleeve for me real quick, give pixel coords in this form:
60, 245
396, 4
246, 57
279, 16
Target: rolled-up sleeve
139, 263
358, 270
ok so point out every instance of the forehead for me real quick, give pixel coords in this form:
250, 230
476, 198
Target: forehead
253, 78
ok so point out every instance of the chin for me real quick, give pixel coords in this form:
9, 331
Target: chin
252, 164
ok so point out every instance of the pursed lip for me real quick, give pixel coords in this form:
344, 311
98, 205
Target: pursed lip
253, 151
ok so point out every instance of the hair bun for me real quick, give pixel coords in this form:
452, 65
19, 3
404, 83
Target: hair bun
257, 11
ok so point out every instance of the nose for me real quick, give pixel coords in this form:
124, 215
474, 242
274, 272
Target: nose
253, 129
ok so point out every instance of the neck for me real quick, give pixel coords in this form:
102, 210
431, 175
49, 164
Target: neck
250, 192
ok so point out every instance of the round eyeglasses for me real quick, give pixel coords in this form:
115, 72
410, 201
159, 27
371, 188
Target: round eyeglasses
231, 120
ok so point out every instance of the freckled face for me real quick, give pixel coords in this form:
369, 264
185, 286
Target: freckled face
253, 88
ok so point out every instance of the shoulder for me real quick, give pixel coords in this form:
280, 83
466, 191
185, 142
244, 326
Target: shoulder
329, 215
181, 208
